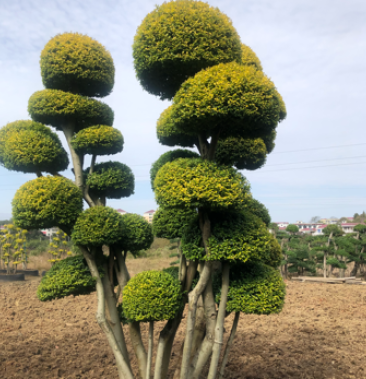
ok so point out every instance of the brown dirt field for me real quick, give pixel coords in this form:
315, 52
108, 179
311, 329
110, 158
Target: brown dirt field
321, 333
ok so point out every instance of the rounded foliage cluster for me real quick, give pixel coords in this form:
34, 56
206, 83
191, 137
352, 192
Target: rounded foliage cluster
76, 63
235, 236
255, 288
98, 226
98, 140
268, 140
137, 234
249, 58
46, 202
58, 108
29, 146
169, 156
171, 222
178, 39
70, 276
243, 153
112, 180
197, 183
152, 296
168, 133
258, 209
230, 98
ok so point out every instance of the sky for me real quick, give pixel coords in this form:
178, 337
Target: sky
313, 50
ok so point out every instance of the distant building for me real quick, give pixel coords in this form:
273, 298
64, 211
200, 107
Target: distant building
306, 227
49, 232
282, 225
121, 211
149, 215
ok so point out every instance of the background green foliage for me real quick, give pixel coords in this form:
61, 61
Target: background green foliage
178, 39
168, 133
98, 140
152, 296
112, 180
59, 108
231, 98
70, 276
46, 202
76, 63
169, 156
255, 288
235, 236
332, 228
171, 222
243, 153
98, 226
29, 146
137, 234
292, 228
197, 183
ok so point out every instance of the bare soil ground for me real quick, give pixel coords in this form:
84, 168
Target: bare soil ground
321, 333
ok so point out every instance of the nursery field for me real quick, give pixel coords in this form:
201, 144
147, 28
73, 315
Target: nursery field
321, 333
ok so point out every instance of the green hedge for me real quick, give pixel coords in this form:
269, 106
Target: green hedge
197, 183
178, 39
152, 296
98, 226
169, 156
98, 140
255, 289
112, 180
46, 202
76, 63
230, 98
59, 109
29, 146
249, 58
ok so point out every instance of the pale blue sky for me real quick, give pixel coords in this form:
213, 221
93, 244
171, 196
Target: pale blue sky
313, 50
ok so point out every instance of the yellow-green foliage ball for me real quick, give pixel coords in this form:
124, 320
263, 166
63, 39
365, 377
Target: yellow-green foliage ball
230, 98
171, 222
196, 183
112, 180
98, 226
77, 63
168, 133
61, 109
152, 296
178, 39
46, 202
28, 146
98, 140
255, 288
235, 236
169, 156
249, 58
243, 153
137, 234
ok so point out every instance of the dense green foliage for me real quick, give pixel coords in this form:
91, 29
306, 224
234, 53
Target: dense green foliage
243, 153
249, 58
112, 180
29, 146
152, 296
137, 234
169, 156
334, 229
291, 228
98, 140
229, 98
70, 276
268, 140
198, 183
178, 39
171, 222
98, 226
46, 202
76, 63
168, 133
60, 109
258, 209
235, 236
255, 288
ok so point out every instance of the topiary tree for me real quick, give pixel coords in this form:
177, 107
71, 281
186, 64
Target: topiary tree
226, 107
292, 229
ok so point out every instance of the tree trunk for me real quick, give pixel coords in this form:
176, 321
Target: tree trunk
150, 349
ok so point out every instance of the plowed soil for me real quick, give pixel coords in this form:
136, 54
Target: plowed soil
321, 333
